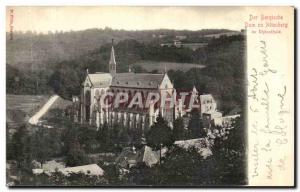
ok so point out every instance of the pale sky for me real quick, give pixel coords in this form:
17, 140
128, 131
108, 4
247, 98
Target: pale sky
44, 19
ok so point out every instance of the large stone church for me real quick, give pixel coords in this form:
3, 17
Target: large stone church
99, 83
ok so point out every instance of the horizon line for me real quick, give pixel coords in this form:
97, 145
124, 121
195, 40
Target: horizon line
116, 29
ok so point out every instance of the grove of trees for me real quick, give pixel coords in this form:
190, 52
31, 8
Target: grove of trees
223, 75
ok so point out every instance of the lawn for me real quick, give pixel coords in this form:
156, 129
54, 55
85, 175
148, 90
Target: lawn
160, 66
19, 108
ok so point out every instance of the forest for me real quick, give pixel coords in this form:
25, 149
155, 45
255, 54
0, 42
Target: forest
223, 75
62, 72
75, 143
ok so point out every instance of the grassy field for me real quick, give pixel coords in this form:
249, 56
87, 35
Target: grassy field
19, 108
160, 66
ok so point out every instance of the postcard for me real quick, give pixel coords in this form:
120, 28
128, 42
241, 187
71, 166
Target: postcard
150, 96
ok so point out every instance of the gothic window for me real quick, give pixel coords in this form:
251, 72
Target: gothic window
87, 105
97, 94
87, 97
87, 113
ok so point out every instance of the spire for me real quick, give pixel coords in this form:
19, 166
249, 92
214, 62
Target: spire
195, 93
112, 61
195, 90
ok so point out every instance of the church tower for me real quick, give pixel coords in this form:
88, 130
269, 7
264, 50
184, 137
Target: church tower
112, 61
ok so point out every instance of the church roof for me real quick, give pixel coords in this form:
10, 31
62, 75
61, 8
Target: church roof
130, 80
137, 80
100, 79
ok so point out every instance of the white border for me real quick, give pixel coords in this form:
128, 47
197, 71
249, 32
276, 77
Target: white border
5, 3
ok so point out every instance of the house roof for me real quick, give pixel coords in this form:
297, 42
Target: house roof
37, 171
148, 156
100, 79
92, 169
144, 155
137, 80
52, 165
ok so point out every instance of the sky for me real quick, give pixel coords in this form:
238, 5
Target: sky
44, 19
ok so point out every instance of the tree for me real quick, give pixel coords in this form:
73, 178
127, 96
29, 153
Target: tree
82, 179
144, 175
237, 138
159, 135
87, 138
56, 145
135, 136
76, 155
73, 179
17, 145
195, 124
179, 132
229, 155
104, 138
66, 79
138, 69
181, 167
67, 137
41, 145
115, 134
111, 173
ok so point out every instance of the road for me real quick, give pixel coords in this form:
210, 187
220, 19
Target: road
35, 118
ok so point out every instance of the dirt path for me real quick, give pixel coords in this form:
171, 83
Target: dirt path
35, 118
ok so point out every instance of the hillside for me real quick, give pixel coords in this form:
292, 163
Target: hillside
223, 58
32, 51
159, 66
224, 74
19, 108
